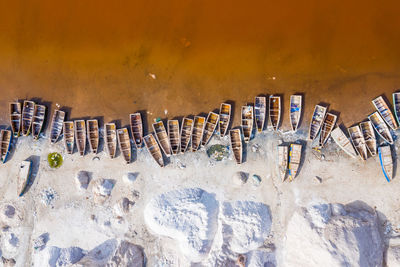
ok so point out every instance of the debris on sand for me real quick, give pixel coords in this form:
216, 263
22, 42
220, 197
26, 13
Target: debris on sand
49, 195
122, 206
256, 179
8, 262
40, 242
218, 152
240, 178
102, 189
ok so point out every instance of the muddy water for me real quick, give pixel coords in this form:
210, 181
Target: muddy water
107, 59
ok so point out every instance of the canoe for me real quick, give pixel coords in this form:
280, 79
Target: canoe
162, 137
69, 136
236, 144
247, 122
209, 128
386, 160
5, 141
275, 111
385, 112
111, 139
197, 132
396, 106
38, 120
343, 142
23, 177
260, 110
369, 136
224, 118
93, 135
154, 149
173, 134
294, 160
80, 136
381, 127
282, 161
358, 141
186, 133
137, 128
295, 111
27, 115
326, 128
316, 121
124, 144
15, 118
56, 125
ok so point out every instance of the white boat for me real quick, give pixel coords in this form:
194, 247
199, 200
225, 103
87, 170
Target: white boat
15, 118
380, 127
236, 144
343, 142
186, 133
137, 128
224, 118
294, 160
396, 106
124, 142
260, 111
386, 160
358, 141
369, 136
110, 130
39, 113
275, 111
93, 135
209, 128
27, 116
316, 121
197, 133
154, 149
247, 122
162, 137
385, 112
5, 141
69, 136
173, 134
326, 128
282, 161
56, 125
80, 136
24, 173
295, 111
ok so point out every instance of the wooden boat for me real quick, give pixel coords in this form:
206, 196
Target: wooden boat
23, 177
137, 128
197, 132
209, 128
224, 118
154, 149
38, 120
93, 134
69, 136
236, 144
385, 112
186, 133
369, 136
326, 128
27, 116
396, 106
173, 134
386, 160
275, 111
162, 137
316, 121
124, 142
247, 122
260, 110
15, 118
282, 161
56, 125
358, 141
294, 160
111, 139
295, 111
380, 127
80, 136
343, 142
5, 139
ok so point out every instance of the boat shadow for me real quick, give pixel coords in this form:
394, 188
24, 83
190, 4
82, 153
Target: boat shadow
303, 144
303, 102
35, 164
394, 156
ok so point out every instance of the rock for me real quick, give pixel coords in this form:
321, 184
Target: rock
83, 179
130, 177
258, 258
393, 256
9, 211
8, 262
256, 180
127, 254
102, 189
57, 257
240, 178
100, 255
318, 179
122, 207
41, 241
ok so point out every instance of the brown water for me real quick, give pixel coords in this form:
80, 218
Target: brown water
96, 56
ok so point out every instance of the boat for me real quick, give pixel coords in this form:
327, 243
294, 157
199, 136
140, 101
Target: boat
5, 139
326, 128
282, 161
23, 177
385, 112
93, 134
295, 111
381, 127
186, 133
209, 128
137, 129
173, 134
236, 144
197, 132
154, 149
15, 118
316, 121
69, 136
38, 120
294, 160
111, 139
358, 141
396, 106
224, 118
247, 122
386, 160
56, 125
275, 111
162, 137
80, 136
260, 110
27, 115
369, 136
124, 143
343, 142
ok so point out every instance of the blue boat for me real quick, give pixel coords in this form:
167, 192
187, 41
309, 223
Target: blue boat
385, 158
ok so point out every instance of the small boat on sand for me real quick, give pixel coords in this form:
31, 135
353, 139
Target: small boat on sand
247, 122
294, 160
385, 112
209, 128
137, 128
173, 134
326, 128
93, 135
80, 136
282, 161
236, 144
396, 106
5, 141
369, 136
56, 125
186, 133
316, 121
197, 133
358, 141
38, 120
224, 118
162, 137
275, 111
154, 149
386, 160
69, 136
27, 115
260, 111
295, 111
15, 118
381, 127
124, 142
23, 177
111, 139
343, 142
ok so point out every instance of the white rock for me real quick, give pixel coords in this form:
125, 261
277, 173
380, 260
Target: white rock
57, 257
127, 254
130, 177
260, 258
82, 180
240, 178
122, 207
393, 256
102, 189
